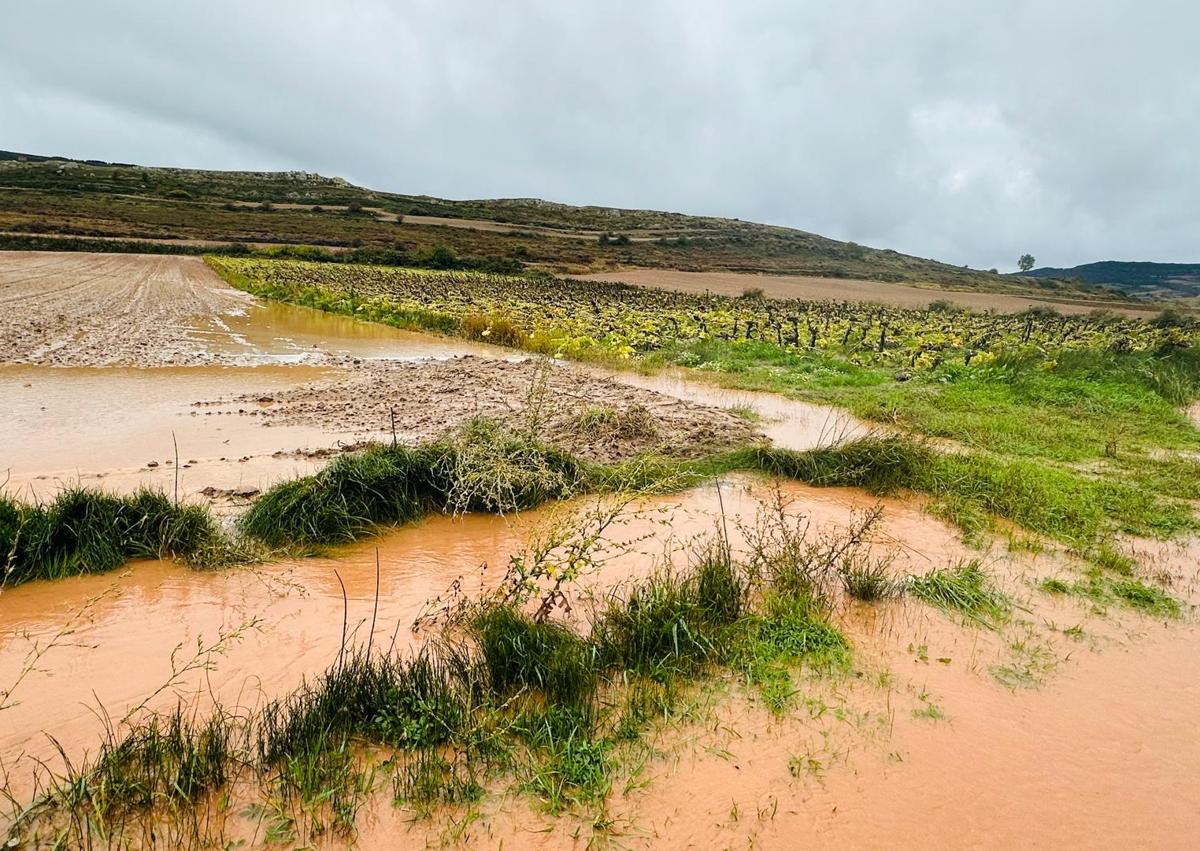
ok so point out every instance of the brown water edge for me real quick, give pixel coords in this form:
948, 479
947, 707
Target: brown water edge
274, 331
104, 426
788, 423
120, 648
118, 427
1108, 740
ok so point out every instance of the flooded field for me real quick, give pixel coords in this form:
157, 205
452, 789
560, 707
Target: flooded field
1072, 726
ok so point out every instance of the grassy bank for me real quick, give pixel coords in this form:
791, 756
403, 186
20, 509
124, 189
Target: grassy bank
485, 466
87, 531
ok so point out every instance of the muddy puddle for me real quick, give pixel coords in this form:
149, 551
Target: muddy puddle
924, 746
283, 333
788, 423
119, 428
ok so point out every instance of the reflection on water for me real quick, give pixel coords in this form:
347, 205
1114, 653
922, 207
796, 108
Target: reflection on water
271, 331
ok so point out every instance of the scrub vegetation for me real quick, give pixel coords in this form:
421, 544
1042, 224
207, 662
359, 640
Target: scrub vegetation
87, 531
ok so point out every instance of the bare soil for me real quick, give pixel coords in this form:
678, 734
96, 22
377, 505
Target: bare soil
844, 289
595, 417
107, 309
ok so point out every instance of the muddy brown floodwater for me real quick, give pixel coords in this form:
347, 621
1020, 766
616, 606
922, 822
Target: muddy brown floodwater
934, 743
1102, 754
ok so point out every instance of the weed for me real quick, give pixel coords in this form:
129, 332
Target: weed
965, 589
869, 580
89, 531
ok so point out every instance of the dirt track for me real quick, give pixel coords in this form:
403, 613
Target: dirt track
108, 309
793, 286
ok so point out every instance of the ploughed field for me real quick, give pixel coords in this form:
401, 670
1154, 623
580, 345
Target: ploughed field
468, 559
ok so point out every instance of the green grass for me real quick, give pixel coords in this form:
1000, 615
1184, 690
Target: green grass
966, 590
1090, 405
972, 487
869, 581
481, 467
1107, 586
89, 531
879, 464
1090, 446
519, 653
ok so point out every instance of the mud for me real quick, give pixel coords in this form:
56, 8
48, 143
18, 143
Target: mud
68, 309
119, 428
591, 415
97, 309
842, 289
1100, 754
788, 423
126, 625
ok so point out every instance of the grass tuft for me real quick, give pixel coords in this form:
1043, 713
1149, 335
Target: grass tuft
89, 531
965, 589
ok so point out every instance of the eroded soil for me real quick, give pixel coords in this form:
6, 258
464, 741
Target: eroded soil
595, 417
107, 309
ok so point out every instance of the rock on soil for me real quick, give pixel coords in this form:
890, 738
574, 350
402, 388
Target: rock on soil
588, 415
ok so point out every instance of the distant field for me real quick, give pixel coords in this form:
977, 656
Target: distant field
899, 295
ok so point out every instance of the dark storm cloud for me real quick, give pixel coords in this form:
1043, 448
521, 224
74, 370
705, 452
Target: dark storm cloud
969, 131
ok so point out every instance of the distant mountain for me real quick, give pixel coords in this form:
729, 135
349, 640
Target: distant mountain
1155, 280
57, 203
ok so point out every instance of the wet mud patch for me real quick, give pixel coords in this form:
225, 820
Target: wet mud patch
589, 415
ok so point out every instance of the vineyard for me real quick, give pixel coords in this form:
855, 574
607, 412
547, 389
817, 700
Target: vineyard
578, 319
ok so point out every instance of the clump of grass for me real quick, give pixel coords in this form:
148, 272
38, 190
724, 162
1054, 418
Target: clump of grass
1109, 558
164, 763
430, 778
671, 623
480, 467
880, 464
497, 329
1147, 598
634, 422
869, 580
1054, 585
483, 466
1110, 580
965, 589
519, 653
567, 763
89, 531
345, 500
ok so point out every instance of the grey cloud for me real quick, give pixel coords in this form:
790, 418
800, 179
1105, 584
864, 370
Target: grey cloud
966, 131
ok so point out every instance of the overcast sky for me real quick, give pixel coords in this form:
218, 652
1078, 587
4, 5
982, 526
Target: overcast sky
966, 130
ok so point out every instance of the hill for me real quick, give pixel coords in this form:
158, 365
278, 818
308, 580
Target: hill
54, 202
1155, 280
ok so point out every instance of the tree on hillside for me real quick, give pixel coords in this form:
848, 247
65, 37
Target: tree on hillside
1026, 262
